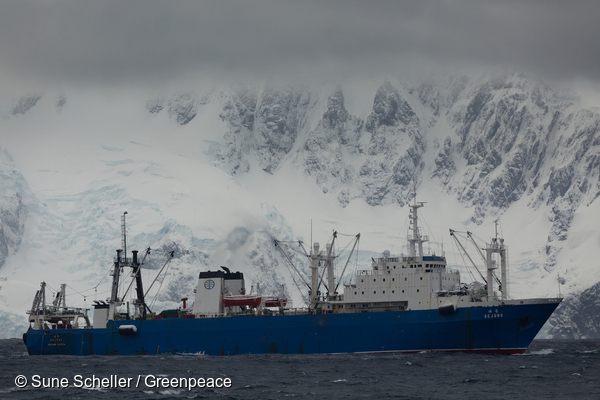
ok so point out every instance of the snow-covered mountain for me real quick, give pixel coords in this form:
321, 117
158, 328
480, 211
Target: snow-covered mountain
216, 173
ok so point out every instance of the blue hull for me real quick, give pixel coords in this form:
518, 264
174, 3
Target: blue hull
503, 329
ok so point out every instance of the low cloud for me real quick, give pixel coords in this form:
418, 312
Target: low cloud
155, 43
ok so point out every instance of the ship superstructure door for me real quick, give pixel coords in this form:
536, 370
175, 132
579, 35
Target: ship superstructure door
209, 293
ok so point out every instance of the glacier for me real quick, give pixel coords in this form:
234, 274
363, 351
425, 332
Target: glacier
216, 173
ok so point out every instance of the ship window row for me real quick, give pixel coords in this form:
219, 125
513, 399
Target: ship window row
375, 292
405, 279
418, 266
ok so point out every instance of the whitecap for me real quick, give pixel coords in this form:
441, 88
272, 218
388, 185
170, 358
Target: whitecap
170, 391
94, 388
542, 352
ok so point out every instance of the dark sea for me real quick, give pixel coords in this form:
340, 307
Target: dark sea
550, 369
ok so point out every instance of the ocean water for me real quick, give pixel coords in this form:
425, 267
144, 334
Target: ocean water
550, 369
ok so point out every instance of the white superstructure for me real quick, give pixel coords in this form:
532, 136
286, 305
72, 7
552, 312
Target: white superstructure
416, 281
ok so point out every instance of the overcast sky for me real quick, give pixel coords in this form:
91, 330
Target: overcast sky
45, 43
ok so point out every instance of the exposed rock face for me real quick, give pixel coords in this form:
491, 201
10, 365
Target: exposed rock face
329, 148
444, 163
239, 114
25, 103
154, 106
61, 100
379, 160
263, 126
394, 154
515, 135
577, 317
183, 108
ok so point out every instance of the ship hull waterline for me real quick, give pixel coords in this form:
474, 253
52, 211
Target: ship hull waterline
503, 329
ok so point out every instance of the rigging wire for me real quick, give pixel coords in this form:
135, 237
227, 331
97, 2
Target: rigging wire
356, 258
160, 286
464, 264
293, 275
399, 233
428, 229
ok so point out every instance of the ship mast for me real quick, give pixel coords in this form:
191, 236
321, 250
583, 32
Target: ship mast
416, 239
122, 261
496, 246
316, 260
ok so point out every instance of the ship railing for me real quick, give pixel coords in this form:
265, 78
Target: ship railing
364, 272
55, 310
388, 259
123, 260
296, 311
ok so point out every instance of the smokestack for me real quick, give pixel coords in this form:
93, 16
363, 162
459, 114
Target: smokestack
134, 252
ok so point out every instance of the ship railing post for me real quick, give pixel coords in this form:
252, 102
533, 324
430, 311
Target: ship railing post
503, 270
490, 271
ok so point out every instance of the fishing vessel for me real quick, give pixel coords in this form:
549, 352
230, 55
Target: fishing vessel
405, 303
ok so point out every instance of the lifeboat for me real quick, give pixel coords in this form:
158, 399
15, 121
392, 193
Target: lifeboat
232, 300
274, 301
